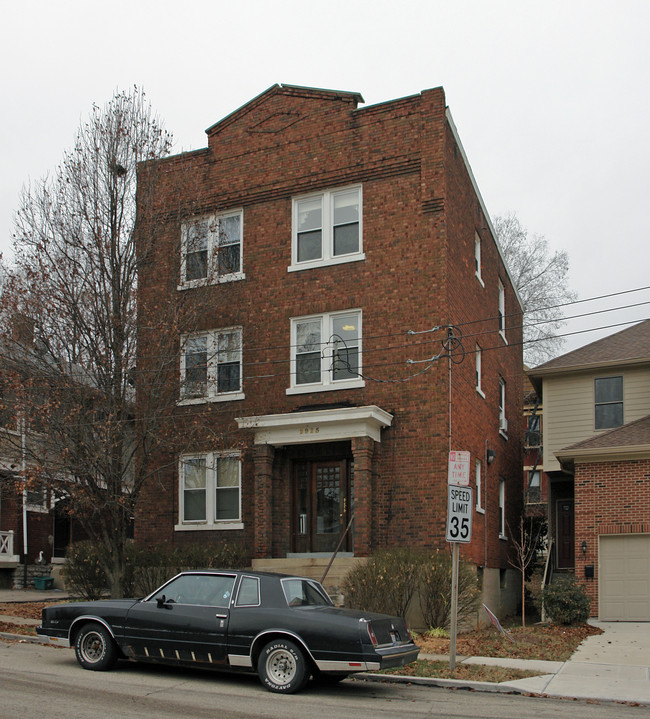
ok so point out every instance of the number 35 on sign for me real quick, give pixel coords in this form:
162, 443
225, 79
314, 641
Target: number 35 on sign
460, 508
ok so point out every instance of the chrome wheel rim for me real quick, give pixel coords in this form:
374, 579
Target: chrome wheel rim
281, 666
92, 647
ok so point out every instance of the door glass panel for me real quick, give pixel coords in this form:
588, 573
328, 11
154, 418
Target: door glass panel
301, 500
328, 499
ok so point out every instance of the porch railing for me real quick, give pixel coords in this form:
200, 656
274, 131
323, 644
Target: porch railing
7, 547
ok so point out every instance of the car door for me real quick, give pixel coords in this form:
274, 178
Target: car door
185, 621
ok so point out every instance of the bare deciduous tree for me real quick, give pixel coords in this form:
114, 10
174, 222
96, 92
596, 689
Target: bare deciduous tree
526, 545
540, 278
75, 276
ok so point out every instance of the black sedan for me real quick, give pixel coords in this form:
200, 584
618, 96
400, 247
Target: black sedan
286, 628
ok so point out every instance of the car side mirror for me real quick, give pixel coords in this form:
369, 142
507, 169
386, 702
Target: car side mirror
163, 602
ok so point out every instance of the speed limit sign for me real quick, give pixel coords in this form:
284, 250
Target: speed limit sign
460, 509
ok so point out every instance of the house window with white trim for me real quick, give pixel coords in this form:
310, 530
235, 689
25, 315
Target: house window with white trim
327, 228
211, 366
502, 508
479, 363
502, 310
477, 258
608, 392
503, 422
478, 473
534, 488
210, 491
211, 249
326, 352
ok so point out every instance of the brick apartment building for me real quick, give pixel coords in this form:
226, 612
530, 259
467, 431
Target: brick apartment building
310, 242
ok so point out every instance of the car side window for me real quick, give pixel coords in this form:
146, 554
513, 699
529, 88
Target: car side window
199, 589
249, 592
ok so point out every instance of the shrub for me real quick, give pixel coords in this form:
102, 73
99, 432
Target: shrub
435, 590
566, 601
385, 583
149, 567
82, 572
146, 567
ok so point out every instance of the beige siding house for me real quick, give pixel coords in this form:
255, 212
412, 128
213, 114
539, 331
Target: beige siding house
596, 438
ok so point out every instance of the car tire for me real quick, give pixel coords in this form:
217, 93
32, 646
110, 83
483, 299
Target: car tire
95, 648
282, 667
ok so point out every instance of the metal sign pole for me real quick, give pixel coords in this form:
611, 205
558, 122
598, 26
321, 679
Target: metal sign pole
454, 606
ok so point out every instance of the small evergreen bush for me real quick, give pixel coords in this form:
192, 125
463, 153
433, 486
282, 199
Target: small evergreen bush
566, 601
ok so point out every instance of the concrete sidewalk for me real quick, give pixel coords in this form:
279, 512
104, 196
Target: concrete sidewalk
613, 666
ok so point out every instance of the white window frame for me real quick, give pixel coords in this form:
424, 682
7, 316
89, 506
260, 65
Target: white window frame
478, 477
502, 508
327, 349
502, 312
210, 522
477, 258
212, 394
479, 371
503, 422
327, 237
212, 276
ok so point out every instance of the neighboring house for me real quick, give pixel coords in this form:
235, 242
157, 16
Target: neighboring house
597, 456
34, 528
320, 243
535, 479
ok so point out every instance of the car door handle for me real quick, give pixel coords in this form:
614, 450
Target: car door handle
221, 616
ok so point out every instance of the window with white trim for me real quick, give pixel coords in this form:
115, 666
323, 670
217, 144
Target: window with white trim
478, 473
211, 249
479, 361
477, 257
326, 352
210, 491
503, 422
502, 508
502, 310
327, 228
211, 366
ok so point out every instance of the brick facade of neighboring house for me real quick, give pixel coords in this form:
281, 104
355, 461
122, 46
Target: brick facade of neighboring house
597, 446
339, 230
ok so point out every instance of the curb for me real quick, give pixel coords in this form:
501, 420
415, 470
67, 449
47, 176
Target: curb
446, 683
30, 639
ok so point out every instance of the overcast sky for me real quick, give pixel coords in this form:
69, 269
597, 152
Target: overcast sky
551, 99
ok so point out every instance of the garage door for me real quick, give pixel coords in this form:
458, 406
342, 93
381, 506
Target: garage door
624, 578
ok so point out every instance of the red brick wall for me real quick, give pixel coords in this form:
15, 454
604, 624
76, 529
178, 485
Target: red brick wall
610, 498
419, 218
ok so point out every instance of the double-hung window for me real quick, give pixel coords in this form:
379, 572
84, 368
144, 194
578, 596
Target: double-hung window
502, 508
211, 249
210, 491
478, 475
608, 393
503, 422
326, 352
479, 370
211, 366
327, 228
477, 258
502, 310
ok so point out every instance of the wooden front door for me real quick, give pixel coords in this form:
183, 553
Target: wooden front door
565, 534
321, 505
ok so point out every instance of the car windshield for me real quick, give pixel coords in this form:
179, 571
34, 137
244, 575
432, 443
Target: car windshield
304, 593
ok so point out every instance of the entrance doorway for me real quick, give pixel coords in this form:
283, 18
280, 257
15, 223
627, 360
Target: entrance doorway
321, 505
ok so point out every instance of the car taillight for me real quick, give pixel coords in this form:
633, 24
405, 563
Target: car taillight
371, 634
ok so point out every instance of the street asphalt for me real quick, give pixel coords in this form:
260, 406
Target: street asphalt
612, 666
